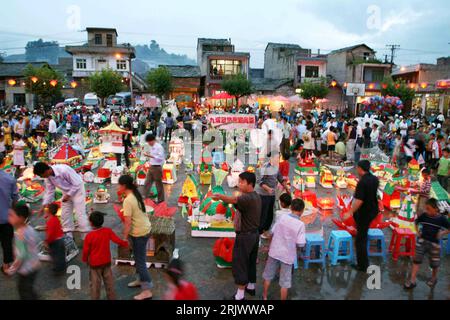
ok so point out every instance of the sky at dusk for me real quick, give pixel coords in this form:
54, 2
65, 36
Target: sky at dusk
421, 28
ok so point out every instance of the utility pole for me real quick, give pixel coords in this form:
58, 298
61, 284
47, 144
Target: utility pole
393, 48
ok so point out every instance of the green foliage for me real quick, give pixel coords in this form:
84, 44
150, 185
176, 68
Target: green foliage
314, 91
42, 88
397, 89
106, 83
237, 85
160, 82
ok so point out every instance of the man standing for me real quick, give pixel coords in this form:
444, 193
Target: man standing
52, 129
35, 121
245, 251
154, 174
70, 183
8, 196
364, 210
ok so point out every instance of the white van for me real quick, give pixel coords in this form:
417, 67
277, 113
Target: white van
91, 99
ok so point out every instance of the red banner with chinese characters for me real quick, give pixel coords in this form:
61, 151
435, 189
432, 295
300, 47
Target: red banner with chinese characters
232, 121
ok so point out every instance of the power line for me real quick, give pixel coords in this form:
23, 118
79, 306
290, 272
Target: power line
393, 48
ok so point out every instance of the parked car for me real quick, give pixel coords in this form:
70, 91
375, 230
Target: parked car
91, 100
119, 101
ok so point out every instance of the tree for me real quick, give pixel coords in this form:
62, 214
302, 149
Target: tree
397, 88
105, 83
238, 86
43, 88
160, 82
314, 91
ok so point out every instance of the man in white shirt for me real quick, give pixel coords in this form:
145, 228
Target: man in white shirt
441, 118
403, 126
71, 184
52, 129
157, 158
374, 136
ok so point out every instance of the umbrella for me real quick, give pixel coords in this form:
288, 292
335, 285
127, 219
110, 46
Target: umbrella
60, 105
222, 96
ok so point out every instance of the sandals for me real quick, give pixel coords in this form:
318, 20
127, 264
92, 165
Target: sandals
431, 283
409, 285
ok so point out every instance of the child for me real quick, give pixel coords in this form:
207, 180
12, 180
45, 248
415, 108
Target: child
55, 239
444, 169
179, 289
285, 204
331, 142
19, 153
424, 191
288, 233
97, 254
7, 132
26, 252
431, 227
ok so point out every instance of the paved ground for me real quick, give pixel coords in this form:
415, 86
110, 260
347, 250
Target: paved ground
339, 282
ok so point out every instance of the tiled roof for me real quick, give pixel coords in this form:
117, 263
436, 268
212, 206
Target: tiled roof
256, 73
15, 69
351, 48
284, 45
214, 41
228, 54
264, 84
184, 71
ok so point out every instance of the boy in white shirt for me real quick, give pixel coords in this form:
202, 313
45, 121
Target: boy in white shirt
287, 234
285, 205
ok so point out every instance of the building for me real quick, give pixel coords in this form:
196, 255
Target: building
12, 83
217, 59
357, 64
432, 85
187, 84
280, 60
100, 52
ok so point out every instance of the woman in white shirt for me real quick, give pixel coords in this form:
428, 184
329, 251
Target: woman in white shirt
374, 136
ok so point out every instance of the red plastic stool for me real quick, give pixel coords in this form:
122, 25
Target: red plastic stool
396, 243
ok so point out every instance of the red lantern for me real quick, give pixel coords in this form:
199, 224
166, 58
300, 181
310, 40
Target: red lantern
384, 86
73, 84
333, 83
371, 86
423, 85
412, 85
12, 82
397, 86
53, 83
34, 79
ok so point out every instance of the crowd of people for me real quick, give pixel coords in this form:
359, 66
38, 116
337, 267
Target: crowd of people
322, 133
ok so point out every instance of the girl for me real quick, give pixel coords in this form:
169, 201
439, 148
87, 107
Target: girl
18, 153
7, 132
178, 289
25, 244
137, 228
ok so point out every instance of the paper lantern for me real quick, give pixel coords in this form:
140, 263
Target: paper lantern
423, 85
53, 83
34, 79
169, 174
12, 82
325, 203
73, 84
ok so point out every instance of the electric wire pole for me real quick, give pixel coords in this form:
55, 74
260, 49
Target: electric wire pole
393, 48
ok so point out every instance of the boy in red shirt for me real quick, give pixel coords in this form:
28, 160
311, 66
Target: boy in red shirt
178, 288
97, 254
55, 239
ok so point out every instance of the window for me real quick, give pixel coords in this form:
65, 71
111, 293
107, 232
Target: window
121, 65
311, 72
366, 56
377, 75
98, 38
299, 72
225, 67
81, 64
109, 40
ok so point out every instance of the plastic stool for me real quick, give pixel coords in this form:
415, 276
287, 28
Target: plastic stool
376, 235
218, 158
396, 243
445, 249
314, 241
340, 246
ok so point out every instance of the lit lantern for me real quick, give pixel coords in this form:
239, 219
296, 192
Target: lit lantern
384, 86
333, 83
12, 82
169, 175
73, 84
371, 86
308, 197
423, 85
118, 56
412, 85
325, 203
34, 79
397, 86
53, 83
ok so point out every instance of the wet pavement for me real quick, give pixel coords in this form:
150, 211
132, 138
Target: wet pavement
335, 282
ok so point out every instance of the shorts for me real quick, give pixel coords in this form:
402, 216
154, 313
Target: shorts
271, 269
433, 250
331, 148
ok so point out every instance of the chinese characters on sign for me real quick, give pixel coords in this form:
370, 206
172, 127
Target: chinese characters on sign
231, 121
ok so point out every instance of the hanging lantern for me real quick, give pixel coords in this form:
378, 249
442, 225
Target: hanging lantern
333, 83
397, 86
371, 86
412, 85
384, 86
34, 79
423, 85
73, 84
53, 83
12, 82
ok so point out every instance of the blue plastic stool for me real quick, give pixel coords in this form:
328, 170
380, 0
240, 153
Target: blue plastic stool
218, 158
316, 242
378, 236
296, 263
445, 249
340, 246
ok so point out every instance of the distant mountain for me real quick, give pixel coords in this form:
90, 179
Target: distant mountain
147, 56
154, 56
